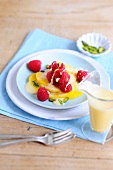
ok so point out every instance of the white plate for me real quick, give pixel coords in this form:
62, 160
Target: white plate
32, 108
47, 58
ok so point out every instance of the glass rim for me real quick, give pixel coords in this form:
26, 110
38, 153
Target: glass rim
97, 98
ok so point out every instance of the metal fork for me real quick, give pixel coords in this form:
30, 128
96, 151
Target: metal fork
51, 138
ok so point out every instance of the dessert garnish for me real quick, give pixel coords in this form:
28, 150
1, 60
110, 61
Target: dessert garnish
34, 65
57, 83
81, 74
92, 49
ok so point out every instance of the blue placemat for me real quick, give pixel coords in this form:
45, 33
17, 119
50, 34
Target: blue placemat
35, 41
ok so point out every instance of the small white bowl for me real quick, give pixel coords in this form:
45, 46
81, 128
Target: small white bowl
96, 40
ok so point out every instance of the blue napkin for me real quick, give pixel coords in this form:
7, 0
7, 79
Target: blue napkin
35, 41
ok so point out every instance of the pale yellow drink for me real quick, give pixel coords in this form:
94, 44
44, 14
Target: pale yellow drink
101, 108
100, 101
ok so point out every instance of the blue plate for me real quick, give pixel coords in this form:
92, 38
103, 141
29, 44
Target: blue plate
71, 58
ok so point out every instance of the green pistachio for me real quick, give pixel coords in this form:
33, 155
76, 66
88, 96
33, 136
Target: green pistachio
84, 43
92, 49
85, 48
47, 66
101, 49
35, 83
60, 101
65, 99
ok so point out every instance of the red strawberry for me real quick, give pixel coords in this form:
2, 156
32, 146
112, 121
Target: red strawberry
34, 65
81, 74
42, 94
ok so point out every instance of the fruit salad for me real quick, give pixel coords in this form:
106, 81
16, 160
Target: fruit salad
57, 83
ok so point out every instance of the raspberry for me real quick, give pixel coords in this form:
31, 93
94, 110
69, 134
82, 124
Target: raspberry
56, 65
64, 78
42, 94
49, 75
81, 74
65, 87
34, 65
61, 76
57, 75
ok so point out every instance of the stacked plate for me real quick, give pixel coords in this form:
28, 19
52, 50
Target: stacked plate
18, 77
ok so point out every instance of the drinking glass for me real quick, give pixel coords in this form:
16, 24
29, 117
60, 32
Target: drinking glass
100, 101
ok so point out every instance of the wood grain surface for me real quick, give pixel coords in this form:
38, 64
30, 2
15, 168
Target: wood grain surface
69, 19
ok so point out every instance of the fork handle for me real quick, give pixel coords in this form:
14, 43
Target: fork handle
10, 136
11, 142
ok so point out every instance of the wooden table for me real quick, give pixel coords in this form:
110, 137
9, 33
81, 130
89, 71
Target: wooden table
68, 19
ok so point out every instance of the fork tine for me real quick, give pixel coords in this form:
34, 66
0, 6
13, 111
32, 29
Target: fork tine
63, 136
66, 139
60, 133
